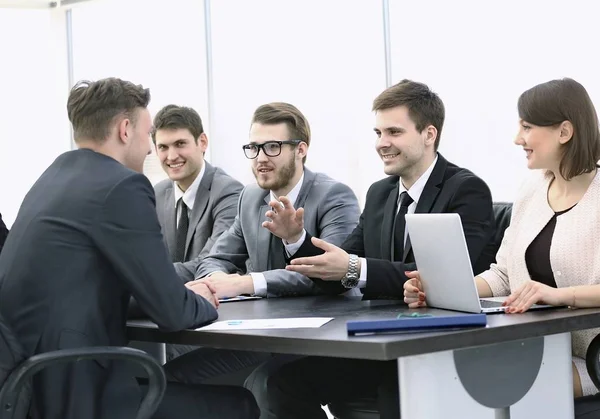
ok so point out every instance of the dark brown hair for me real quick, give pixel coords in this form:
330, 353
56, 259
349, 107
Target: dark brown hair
424, 106
174, 117
550, 104
280, 112
92, 106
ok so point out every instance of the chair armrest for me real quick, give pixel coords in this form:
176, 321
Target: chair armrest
157, 382
592, 360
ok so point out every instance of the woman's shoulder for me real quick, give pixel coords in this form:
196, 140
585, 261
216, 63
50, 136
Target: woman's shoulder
534, 184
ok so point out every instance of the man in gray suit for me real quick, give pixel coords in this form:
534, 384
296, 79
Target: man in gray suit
208, 194
199, 201
248, 259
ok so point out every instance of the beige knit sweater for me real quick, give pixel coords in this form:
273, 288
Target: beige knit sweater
574, 251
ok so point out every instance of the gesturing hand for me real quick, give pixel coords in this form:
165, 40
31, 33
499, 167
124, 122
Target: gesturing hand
330, 266
287, 223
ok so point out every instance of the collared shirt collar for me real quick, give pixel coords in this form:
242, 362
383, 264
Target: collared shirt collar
416, 189
293, 194
189, 196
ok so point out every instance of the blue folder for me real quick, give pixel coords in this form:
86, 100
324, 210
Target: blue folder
416, 324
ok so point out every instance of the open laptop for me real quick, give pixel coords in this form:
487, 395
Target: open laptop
444, 264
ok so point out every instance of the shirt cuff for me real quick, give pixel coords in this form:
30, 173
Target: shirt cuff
260, 284
292, 248
362, 279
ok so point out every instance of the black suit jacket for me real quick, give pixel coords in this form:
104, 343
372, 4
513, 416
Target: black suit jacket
85, 240
3, 233
449, 189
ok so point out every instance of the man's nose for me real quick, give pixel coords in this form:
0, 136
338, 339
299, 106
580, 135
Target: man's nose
172, 154
262, 156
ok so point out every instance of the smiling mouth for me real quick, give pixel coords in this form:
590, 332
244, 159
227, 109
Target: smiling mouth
264, 170
389, 156
175, 166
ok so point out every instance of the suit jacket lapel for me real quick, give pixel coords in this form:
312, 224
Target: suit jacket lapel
387, 225
429, 194
170, 211
307, 183
263, 236
200, 203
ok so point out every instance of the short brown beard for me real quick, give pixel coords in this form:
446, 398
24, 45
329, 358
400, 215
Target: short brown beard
283, 175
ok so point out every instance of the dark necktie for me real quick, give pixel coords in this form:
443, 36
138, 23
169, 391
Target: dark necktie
399, 227
182, 228
276, 253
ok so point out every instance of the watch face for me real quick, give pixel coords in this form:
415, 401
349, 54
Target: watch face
350, 282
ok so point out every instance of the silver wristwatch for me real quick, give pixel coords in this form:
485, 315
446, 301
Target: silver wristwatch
350, 280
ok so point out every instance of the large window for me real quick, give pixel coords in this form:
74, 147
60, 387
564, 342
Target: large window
154, 43
480, 56
34, 127
325, 57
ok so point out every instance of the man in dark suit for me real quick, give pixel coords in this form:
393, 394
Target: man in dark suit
375, 257
85, 240
3, 233
208, 194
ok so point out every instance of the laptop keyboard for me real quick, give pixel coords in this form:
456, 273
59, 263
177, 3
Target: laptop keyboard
490, 304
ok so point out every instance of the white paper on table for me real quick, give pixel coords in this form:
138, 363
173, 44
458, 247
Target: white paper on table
250, 324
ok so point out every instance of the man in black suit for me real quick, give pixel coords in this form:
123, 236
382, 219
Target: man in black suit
3, 233
85, 240
375, 257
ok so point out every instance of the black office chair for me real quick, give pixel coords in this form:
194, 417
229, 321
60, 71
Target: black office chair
16, 372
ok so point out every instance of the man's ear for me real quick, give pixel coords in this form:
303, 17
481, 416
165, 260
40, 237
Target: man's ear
302, 149
430, 135
124, 130
203, 142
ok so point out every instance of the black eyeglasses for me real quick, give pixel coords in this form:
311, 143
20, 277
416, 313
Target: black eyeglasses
270, 148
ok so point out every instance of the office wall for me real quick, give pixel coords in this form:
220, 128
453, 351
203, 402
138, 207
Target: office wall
34, 128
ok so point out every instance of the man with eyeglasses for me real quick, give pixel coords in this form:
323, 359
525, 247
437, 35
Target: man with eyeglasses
248, 259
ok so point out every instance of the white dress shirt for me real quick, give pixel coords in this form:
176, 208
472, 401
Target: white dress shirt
414, 192
258, 279
189, 196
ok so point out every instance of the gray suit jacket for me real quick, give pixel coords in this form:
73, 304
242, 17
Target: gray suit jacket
214, 210
331, 212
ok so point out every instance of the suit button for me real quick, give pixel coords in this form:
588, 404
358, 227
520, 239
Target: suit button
558, 273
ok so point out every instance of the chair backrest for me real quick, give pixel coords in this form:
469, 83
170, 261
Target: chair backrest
11, 352
11, 356
502, 212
